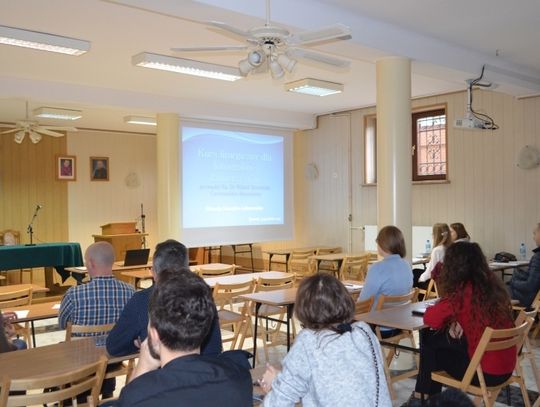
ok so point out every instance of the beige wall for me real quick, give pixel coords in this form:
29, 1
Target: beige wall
498, 202
94, 203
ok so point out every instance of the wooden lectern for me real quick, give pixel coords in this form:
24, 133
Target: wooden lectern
122, 236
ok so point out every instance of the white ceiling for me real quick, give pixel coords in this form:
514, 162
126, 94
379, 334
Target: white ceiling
448, 40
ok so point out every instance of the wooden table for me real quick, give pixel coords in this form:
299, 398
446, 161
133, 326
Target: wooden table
287, 253
277, 298
334, 257
511, 265
136, 276
15, 287
243, 278
54, 359
35, 312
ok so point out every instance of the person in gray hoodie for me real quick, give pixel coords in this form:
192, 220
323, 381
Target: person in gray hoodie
334, 361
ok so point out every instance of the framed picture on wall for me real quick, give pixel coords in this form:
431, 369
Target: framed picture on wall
66, 167
99, 168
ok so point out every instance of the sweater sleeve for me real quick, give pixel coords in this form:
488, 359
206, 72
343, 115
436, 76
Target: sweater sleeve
66, 310
437, 255
438, 315
292, 383
372, 284
529, 286
127, 329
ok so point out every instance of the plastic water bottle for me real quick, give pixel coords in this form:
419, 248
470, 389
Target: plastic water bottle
522, 251
428, 246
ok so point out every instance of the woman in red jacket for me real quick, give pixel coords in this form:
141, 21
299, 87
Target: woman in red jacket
472, 298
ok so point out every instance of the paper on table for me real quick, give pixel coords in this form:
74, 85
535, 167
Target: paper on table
56, 306
81, 268
353, 286
22, 314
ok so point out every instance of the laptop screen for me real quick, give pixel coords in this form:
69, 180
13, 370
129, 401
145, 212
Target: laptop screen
136, 257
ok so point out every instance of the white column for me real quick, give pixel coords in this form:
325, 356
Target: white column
394, 160
169, 150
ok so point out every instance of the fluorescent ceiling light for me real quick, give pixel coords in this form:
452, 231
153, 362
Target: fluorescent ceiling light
54, 113
186, 66
42, 41
148, 121
314, 87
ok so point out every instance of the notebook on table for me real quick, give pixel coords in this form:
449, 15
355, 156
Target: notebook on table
136, 257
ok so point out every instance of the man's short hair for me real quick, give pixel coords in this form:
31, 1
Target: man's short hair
181, 309
101, 253
170, 255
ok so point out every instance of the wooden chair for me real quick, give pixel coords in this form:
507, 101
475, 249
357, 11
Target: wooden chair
329, 266
224, 296
205, 271
491, 340
527, 351
354, 268
301, 264
11, 237
74, 332
59, 387
270, 335
388, 301
361, 307
18, 298
430, 292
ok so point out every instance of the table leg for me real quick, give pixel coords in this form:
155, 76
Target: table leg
257, 307
33, 334
289, 317
270, 255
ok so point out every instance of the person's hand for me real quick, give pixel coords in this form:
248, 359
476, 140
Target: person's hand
455, 330
268, 377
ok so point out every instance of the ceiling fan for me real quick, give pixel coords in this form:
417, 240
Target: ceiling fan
33, 129
275, 48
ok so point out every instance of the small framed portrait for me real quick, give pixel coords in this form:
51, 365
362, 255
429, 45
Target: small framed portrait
99, 168
65, 167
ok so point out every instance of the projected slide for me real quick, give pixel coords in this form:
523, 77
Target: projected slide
232, 178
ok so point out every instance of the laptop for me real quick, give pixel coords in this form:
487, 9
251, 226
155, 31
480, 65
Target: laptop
137, 257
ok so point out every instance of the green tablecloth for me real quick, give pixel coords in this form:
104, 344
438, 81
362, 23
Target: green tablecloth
57, 255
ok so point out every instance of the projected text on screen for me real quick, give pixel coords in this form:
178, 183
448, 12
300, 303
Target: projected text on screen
232, 178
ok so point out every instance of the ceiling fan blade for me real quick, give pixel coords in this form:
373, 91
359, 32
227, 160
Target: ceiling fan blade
318, 57
10, 131
42, 130
212, 49
234, 30
331, 32
61, 128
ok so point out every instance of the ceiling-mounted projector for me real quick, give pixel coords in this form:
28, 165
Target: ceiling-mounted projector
471, 123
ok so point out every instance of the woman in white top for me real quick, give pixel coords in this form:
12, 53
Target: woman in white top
334, 361
441, 240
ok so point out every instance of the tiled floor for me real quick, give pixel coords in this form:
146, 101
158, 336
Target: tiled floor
403, 388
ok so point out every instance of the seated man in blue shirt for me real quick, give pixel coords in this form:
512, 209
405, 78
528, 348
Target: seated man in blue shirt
131, 327
171, 371
524, 285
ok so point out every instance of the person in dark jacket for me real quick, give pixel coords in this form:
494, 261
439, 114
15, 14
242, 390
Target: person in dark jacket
524, 285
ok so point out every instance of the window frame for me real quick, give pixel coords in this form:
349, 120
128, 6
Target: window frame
414, 118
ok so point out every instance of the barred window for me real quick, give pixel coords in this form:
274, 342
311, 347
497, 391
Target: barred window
429, 145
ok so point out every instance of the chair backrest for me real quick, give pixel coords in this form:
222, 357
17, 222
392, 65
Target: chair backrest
10, 237
494, 340
225, 293
387, 301
431, 290
81, 331
85, 378
328, 250
361, 307
211, 271
271, 284
16, 298
355, 267
301, 255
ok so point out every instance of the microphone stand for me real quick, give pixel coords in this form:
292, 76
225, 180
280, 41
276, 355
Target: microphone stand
143, 226
30, 229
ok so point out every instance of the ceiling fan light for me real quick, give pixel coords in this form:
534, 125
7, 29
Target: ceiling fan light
255, 58
35, 137
276, 69
286, 62
19, 137
245, 67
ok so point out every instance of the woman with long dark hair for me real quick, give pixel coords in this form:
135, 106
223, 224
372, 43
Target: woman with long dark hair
472, 298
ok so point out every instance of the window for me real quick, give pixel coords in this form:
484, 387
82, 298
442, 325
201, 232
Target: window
429, 146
